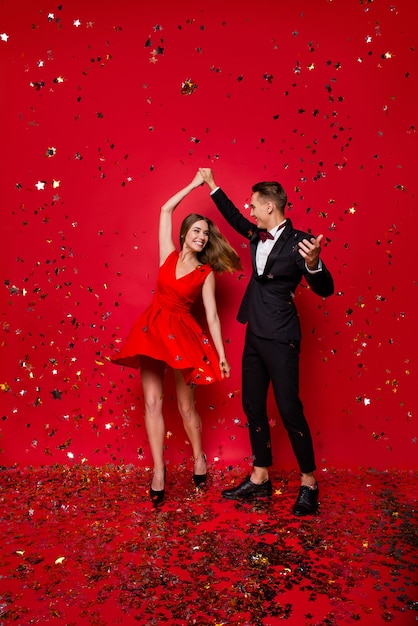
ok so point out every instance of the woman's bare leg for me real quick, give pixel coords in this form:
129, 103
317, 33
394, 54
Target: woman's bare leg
191, 421
152, 375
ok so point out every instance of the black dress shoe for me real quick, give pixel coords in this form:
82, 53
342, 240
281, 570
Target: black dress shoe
248, 489
157, 497
200, 479
306, 502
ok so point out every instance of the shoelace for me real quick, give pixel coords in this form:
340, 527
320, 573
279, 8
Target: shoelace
304, 493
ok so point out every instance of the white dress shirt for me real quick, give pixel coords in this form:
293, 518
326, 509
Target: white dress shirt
265, 247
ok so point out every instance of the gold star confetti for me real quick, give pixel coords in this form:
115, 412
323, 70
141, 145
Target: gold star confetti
188, 87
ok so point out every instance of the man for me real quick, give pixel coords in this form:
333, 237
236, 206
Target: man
281, 257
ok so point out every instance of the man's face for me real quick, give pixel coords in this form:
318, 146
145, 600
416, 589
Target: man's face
260, 210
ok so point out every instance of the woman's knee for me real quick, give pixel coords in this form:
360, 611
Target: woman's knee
153, 405
187, 410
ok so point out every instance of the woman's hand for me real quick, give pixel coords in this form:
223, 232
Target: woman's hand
225, 368
165, 236
208, 178
197, 180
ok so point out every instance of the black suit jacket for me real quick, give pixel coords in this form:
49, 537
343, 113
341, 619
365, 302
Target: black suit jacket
267, 305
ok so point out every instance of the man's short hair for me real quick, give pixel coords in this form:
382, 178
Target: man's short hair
272, 191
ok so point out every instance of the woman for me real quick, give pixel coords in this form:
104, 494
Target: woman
166, 334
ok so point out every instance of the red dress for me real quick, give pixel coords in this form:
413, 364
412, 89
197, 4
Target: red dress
167, 331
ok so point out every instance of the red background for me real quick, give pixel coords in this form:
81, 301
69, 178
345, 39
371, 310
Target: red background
318, 95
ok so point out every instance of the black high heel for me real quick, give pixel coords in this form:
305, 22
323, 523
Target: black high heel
157, 497
200, 479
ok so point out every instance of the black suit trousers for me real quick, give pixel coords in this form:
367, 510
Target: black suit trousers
266, 361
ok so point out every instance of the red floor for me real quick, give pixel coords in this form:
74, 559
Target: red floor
84, 546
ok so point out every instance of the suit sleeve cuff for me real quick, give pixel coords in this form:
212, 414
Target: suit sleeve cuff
318, 269
214, 191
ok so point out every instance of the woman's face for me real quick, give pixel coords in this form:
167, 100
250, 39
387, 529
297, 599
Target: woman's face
197, 236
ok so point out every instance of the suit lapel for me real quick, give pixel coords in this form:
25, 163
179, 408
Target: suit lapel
278, 247
253, 247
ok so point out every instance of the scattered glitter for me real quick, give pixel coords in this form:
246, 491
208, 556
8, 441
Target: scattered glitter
188, 87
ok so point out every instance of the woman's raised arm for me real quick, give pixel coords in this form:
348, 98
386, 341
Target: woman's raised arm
165, 236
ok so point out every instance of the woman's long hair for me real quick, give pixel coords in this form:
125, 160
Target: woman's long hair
217, 253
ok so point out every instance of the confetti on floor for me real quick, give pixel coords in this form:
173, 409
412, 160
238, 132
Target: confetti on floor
84, 545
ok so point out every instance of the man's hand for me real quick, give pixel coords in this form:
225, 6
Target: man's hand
310, 251
207, 176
